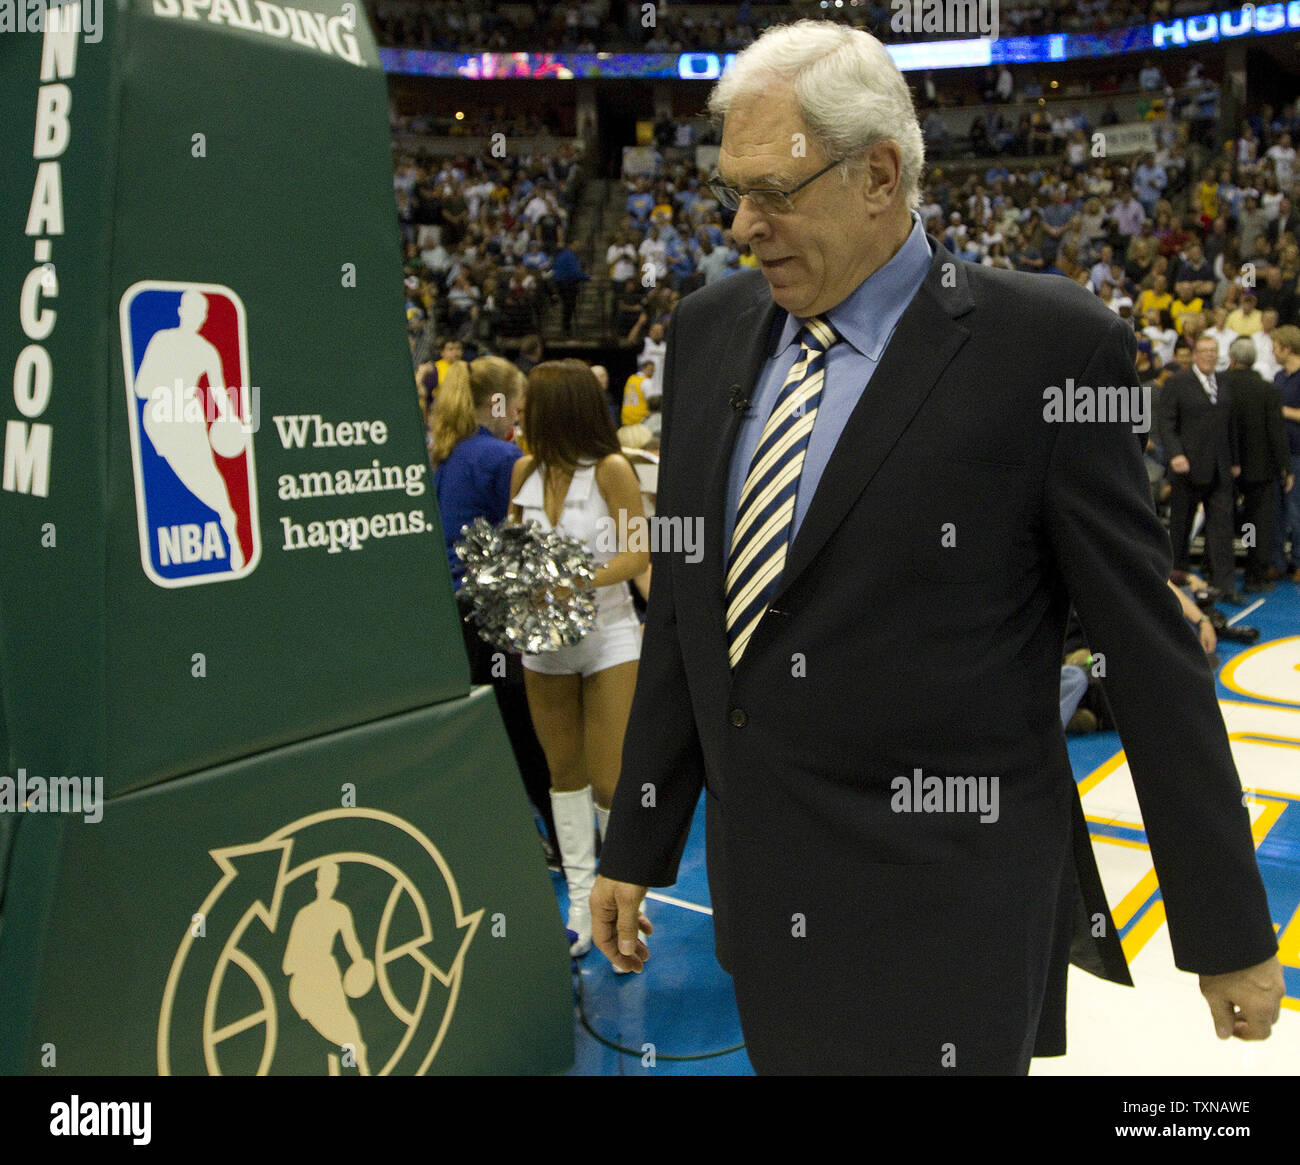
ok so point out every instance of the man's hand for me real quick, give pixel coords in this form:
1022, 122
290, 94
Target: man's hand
1180, 464
1288, 483
615, 919
1245, 1004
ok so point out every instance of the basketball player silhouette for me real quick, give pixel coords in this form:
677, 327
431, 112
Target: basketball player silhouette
180, 356
318, 992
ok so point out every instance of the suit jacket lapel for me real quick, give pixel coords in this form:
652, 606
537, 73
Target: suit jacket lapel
924, 342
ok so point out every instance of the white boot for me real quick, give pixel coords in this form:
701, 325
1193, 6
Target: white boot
578, 853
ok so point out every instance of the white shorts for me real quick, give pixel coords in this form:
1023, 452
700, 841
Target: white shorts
603, 647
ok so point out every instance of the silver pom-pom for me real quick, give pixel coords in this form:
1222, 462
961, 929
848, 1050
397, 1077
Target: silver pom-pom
511, 575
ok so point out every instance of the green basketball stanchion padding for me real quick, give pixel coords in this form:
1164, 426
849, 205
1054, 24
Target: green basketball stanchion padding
226, 620
177, 935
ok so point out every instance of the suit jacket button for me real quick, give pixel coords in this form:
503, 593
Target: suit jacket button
739, 717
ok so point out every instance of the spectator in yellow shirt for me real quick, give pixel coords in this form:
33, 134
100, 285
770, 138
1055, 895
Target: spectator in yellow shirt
1247, 319
451, 354
1155, 298
635, 405
1207, 197
1186, 303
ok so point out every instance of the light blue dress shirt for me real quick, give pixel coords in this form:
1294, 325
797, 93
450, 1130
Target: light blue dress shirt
864, 322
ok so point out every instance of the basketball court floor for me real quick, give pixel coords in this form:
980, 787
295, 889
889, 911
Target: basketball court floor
673, 1018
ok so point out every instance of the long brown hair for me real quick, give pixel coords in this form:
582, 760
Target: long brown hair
566, 415
466, 388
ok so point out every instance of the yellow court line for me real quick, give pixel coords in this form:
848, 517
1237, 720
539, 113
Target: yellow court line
1099, 774
1288, 942
1256, 791
1115, 840
1257, 707
1118, 821
1228, 673
1276, 739
1265, 821
1147, 925
1133, 900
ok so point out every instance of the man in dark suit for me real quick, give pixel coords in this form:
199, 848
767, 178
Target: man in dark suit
1199, 437
899, 867
1265, 459
1286, 223
1277, 294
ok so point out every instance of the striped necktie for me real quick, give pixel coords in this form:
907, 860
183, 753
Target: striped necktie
765, 511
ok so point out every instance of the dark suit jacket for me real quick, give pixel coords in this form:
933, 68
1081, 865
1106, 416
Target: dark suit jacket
866, 939
1198, 430
1260, 431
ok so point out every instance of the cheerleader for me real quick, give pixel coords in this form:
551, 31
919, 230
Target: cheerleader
575, 480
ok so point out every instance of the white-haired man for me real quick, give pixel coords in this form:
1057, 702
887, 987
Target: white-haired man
862, 670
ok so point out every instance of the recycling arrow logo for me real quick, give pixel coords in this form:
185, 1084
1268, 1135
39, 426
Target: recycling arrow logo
336, 944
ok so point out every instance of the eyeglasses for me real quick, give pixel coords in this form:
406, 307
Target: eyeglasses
765, 201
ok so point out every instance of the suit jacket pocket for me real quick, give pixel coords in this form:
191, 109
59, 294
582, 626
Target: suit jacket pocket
963, 519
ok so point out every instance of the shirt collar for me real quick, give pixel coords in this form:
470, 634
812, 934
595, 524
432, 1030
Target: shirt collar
866, 319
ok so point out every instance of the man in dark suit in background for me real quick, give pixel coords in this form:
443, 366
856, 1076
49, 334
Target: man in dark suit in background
861, 672
1265, 459
1199, 437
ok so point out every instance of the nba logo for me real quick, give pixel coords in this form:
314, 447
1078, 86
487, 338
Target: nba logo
185, 357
